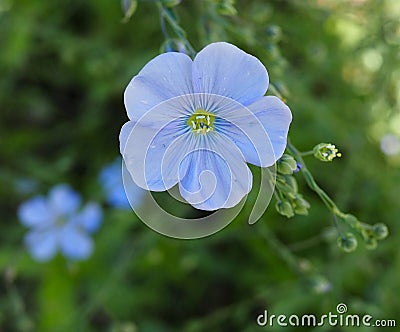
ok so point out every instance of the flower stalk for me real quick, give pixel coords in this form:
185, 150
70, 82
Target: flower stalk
167, 15
369, 233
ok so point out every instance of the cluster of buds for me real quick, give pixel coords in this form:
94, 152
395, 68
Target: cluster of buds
290, 201
370, 234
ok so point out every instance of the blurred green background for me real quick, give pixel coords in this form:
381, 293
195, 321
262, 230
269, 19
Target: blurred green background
63, 68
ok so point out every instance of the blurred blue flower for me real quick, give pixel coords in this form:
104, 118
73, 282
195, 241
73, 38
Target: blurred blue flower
57, 224
198, 122
111, 181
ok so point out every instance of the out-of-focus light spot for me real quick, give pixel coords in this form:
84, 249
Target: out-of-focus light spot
372, 60
349, 32
392, 8
390, 144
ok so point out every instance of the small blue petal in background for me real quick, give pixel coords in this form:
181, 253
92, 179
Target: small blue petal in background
64, 200
111, 181
35, 212
57, 224
90, 217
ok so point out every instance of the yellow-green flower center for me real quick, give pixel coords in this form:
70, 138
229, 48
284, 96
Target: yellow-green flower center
201, 121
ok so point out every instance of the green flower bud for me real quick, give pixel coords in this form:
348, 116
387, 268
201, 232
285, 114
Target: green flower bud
300, 201
289, 159
302, 211
326, 152
286, 165
285, 209
347, 243
292, 183
301, 206
284, 168
380, 231
286, 186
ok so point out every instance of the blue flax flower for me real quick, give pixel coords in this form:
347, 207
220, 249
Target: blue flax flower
111, 181
198, 122
57, 224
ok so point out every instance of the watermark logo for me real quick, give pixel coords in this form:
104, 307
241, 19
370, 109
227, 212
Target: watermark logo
339, 318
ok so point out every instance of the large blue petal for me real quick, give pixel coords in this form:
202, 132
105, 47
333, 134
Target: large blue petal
35, 212
157, 143
124, 135
172, 110
223, 69
166, 76
214, 176
260, 130
63, 200
75, 243
152, 156
42, 244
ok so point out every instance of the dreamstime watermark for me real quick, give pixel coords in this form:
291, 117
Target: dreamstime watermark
340, 318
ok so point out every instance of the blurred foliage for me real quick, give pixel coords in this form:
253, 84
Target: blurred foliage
63, 68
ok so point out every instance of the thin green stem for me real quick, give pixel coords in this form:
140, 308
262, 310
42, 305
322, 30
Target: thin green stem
163, 27
167, 14
307, 153
338, 227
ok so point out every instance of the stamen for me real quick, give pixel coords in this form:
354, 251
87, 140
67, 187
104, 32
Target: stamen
201, 121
